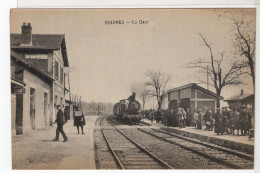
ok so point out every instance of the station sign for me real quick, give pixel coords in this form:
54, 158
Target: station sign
19, 90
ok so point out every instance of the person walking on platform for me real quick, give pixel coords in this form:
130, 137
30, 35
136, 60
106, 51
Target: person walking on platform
243, 120
218, 116
60, 120
79, 120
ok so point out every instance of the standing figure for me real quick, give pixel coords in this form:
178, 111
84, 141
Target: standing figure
152, 115
225, 119
196, 118
232, 122
207, 119
199, 119
236, 116
184, 119
218, 116
230, 119
180, 118
243, 120
189, 118
60, 120
79, 120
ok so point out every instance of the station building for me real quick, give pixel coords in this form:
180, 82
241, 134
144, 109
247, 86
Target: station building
242, 99
192, 96
38, 62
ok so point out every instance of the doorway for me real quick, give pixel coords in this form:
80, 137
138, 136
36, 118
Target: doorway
32, 107
45, 107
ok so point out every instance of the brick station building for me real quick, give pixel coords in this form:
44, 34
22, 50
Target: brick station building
38, 62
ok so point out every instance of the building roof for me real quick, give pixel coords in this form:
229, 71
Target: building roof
197, 87
30, 66
17, 82
42, 42
239, 97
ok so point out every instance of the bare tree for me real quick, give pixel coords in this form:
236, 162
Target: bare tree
143, 96
219, 76
244, 43
157, 81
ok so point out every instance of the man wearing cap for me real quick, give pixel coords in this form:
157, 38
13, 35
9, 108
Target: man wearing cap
60, 120
243, 119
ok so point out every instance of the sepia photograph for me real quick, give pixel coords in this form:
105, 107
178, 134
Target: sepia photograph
110, 89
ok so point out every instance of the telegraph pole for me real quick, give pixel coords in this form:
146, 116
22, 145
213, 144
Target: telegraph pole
207, 77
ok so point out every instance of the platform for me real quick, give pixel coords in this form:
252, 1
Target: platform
240, 143
36, 150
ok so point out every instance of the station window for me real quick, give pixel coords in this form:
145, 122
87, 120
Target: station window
61, 75
56, 70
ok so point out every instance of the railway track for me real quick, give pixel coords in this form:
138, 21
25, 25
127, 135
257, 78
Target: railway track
220, 155
102, 121
130, 155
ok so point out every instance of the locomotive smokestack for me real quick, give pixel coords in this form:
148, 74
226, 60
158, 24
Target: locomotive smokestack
133, 96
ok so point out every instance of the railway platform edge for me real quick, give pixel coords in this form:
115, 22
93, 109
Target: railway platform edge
239, 143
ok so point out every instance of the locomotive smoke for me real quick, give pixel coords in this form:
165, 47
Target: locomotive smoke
138, 88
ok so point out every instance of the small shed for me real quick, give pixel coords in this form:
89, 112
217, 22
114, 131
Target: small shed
192, 96
242, 99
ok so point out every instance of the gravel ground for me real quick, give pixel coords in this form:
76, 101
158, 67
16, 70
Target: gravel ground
103, 157
171, 154
236, 160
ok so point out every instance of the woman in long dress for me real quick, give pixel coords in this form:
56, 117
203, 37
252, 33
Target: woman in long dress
79, 120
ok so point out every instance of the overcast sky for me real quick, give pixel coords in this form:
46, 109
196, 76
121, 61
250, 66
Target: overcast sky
110, 61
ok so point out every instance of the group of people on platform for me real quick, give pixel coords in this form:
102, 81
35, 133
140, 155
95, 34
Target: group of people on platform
225, 121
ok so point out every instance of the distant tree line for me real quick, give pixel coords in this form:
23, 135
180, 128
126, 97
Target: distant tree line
97, 108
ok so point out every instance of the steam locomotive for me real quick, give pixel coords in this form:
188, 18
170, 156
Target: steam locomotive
127, 110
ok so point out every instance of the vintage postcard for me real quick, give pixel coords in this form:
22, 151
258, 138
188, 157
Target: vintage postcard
132, 88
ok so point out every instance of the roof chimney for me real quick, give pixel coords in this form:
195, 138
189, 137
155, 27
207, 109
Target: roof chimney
242, 91
26, 38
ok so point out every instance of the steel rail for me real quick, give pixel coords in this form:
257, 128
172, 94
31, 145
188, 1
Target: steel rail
120, 165
196, 151
164, 164
242, 155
